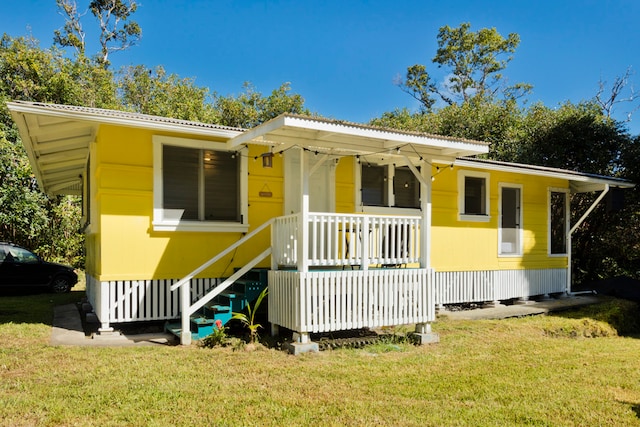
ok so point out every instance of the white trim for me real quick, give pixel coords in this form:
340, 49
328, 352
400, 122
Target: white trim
519, 251
486, 217
160, 223
566, 192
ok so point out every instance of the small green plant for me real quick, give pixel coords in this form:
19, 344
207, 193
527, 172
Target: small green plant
248, 319
218, 338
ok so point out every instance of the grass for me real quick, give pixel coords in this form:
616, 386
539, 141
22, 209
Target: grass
485, 373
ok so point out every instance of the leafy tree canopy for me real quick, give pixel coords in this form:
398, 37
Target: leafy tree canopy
474, 61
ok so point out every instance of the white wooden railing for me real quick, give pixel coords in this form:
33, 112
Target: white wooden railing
347, 239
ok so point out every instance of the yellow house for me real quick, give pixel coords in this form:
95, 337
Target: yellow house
353, 226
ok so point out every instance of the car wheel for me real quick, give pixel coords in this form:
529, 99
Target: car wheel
60, 285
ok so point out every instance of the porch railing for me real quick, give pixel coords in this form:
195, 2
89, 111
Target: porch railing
347, 240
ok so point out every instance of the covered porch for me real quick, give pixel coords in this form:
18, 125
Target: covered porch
336, 271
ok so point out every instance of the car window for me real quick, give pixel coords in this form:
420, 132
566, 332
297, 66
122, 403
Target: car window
3, 254
23, 256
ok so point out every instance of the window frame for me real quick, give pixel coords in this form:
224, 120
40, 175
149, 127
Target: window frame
389, 196
462, 215
519, 250
567, 212
161, 223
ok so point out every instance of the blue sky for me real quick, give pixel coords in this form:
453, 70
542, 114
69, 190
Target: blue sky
343, 56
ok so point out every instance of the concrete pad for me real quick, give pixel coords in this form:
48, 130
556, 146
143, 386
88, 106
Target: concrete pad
297, 348
533, 308
67, 330
428, 338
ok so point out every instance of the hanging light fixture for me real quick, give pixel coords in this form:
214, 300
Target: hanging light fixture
267, 159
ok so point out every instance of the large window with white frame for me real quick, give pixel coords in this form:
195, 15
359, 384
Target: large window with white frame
473, 196
198, 186
389, 186
558, 221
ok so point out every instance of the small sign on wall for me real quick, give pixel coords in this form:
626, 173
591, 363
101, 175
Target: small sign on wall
265, 191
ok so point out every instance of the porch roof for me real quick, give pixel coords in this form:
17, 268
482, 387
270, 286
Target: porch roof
345, 138
57, 138
580, 182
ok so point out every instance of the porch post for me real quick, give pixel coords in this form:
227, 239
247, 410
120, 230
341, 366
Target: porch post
303, 225
425, 232
185, 304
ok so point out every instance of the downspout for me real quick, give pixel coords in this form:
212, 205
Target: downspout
575, 227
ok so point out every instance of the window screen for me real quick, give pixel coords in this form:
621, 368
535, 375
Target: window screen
202, 184
374, 185
406, 188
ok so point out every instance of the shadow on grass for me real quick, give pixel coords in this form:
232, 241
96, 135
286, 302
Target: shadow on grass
33, 305
636, 409
620, 314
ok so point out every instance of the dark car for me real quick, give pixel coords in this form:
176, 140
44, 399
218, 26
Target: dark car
21, 268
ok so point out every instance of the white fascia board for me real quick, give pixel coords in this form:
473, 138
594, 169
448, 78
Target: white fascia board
323, 130
580, 182
141, 122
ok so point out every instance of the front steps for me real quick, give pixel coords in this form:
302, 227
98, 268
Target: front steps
234, 299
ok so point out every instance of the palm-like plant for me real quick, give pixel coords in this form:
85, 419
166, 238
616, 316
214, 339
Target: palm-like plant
248, 319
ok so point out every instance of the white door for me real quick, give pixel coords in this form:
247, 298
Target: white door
321, 183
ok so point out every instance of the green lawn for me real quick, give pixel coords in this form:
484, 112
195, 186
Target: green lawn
530, 371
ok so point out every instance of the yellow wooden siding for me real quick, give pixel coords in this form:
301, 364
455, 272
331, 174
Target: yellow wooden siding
127, 248
466, 245
121, 243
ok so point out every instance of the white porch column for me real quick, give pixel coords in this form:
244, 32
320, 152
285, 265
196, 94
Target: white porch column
425, 204
104, 314
303, 218
185, 305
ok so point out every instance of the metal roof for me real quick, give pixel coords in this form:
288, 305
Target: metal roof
57, 137
345, 138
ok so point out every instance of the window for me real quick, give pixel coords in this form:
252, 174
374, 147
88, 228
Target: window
389, 186
558, 222
473, 190
198, 186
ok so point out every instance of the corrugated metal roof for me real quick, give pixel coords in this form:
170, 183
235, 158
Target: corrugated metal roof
124, 115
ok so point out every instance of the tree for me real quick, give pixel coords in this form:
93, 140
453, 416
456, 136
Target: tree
475, 61
620, 92
148, 91
251, 108
72, 34
117, 31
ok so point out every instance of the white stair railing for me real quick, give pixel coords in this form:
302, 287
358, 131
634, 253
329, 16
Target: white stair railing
187, 309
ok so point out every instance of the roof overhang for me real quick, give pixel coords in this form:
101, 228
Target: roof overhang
57, 138
350, 139
579, 182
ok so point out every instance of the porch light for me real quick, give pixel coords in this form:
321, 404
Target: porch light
267, 159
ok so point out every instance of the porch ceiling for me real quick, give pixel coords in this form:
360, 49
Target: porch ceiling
344, 138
